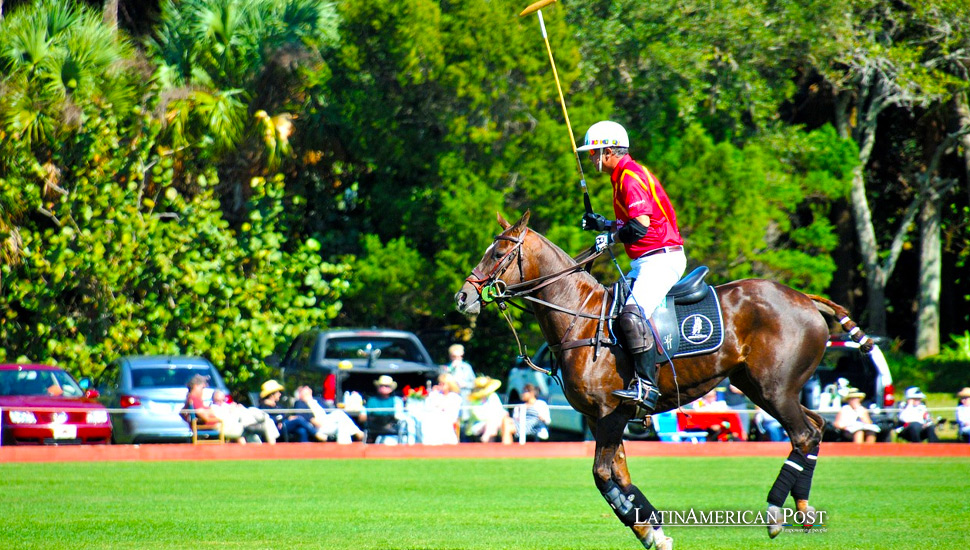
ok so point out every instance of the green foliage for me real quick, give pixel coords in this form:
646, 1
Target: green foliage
945, 372
752, 191
117, 260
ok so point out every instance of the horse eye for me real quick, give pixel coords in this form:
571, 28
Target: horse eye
498, 254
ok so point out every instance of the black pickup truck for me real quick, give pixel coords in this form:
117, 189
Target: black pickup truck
345, 360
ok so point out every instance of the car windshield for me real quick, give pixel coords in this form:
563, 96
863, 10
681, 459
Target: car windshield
386, 348
38, 382
167, 377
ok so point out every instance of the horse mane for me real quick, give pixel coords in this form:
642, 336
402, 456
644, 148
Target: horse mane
566, 258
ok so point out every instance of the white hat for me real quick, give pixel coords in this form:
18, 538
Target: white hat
603, 134
914, 393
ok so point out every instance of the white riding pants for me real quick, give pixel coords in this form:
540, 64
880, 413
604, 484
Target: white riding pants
654, 275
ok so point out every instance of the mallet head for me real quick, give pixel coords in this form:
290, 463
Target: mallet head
536, 7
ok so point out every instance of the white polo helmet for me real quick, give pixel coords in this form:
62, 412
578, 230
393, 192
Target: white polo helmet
605, 133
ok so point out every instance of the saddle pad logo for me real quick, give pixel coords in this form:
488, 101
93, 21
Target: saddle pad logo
696, 329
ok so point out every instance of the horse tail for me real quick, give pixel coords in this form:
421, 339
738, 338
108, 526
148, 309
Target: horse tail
838, 312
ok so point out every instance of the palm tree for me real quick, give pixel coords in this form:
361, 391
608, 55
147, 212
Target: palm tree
214, 57
58, 65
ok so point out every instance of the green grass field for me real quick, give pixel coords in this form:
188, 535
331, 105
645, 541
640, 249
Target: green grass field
462, 504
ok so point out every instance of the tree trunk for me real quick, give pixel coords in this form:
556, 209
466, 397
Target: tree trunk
963, 113
110, 13
869, 250
930, 270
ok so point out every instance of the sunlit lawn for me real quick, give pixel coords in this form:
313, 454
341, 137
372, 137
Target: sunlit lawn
461, 504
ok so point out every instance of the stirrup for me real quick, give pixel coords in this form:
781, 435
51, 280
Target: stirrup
642, 392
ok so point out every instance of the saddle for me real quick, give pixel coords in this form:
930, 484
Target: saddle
687, 322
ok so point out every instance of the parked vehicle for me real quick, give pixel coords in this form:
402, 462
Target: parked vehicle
566, 422
869, 373
333, 362
152, 390
44, 405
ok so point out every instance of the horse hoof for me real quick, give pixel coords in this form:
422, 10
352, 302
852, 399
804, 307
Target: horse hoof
809, 520
657, 537
776, 521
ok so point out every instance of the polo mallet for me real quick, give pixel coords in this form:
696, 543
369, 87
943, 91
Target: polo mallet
537, 8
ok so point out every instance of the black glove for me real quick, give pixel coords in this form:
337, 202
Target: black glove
594, 222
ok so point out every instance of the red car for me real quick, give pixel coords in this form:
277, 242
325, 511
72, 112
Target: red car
44, 405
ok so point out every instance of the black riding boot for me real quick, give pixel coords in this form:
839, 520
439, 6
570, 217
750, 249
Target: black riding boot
638, 340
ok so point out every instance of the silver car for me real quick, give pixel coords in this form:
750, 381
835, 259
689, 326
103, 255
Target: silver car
151, 390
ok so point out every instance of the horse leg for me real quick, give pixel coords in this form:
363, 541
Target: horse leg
649, 525
795, 477
613, 481
804, 428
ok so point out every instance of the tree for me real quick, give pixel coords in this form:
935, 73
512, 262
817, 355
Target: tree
892, 62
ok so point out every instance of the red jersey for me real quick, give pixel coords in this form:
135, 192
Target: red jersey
637, 192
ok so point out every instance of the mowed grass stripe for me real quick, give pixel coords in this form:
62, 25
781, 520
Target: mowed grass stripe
460, 504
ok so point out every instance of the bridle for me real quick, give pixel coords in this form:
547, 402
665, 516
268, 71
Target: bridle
492, 288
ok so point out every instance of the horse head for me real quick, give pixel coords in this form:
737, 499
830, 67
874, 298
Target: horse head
503, 260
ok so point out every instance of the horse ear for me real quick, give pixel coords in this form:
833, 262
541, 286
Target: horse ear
523, 221
502, 222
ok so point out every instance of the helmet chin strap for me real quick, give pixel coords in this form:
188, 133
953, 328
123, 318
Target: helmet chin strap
599, 164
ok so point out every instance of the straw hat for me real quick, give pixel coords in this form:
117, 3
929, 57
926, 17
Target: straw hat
965, 392
484, 386
855, 393
270, 387
385, 380
914, 393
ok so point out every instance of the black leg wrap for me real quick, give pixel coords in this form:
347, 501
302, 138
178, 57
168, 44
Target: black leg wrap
630, 505
803, 485
789, 474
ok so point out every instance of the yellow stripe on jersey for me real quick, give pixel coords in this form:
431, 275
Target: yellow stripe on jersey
652, 189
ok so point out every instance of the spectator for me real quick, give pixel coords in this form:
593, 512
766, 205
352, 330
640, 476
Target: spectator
735, 399
710, 403
533, 414
915, 420
486, 418
239, 422
963, 415
195, 402
384, 413
717, 430
459, 368
853, 420
441, 412
768, 427
292, 427
334, 423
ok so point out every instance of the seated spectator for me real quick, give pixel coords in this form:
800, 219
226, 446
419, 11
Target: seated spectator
292, 427
334, 423
853, 419
963, 415
442, 409
767, 427
384, 413
533, 414
195, 402
243, 423
710, 403
719, 431
915, 422
485, 417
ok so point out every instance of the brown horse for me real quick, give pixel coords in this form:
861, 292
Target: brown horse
774, 338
